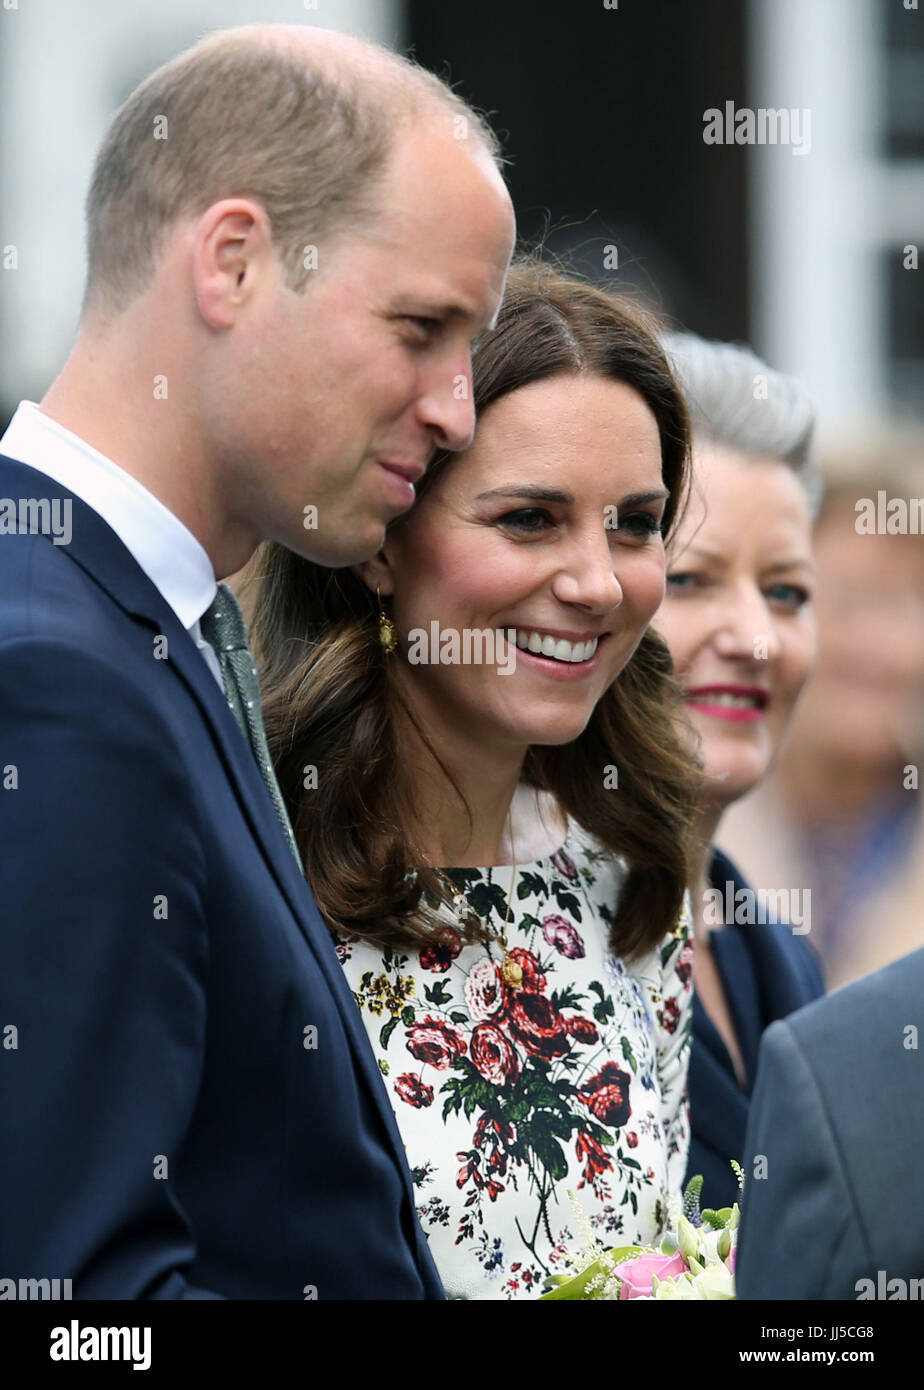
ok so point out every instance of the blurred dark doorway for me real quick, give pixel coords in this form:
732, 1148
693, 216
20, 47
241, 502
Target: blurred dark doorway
601, 113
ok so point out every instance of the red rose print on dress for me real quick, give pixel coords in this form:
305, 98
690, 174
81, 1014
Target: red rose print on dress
538, 1025
685, 963
494, 1055
435, 1042
485, 991
607, 1095
440, 955
566, 940
669, 1016
412, 1090
582, 1029
592, 1155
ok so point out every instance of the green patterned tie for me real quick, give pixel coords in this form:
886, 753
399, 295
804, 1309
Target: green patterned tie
223, 628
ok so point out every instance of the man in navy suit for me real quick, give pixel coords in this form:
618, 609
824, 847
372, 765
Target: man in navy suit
832, 1205
293, 237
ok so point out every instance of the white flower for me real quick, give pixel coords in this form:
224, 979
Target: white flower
484, 991
716, 1282
682, 1287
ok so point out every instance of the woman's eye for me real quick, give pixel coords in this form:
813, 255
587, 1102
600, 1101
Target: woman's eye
640, 524
682, 582
526, 519
789, 595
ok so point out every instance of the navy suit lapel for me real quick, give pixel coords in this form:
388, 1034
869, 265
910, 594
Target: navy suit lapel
101, 554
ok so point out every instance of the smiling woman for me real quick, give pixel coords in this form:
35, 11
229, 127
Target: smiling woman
738, 619
500, 848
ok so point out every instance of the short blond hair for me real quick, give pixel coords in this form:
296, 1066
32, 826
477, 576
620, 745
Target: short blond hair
241, 114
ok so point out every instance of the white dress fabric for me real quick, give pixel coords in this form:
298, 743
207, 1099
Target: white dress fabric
507, 1100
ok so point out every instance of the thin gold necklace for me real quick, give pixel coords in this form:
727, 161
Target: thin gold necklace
511, 970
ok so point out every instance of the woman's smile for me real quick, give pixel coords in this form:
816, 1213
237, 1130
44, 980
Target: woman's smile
557, 657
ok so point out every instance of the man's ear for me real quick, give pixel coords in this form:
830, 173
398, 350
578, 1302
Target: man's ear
230, 242
377, 574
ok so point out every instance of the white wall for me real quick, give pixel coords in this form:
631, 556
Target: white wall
65, 65
820, 222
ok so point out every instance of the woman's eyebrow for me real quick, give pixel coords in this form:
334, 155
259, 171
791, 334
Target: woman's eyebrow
537, 493
638, 499
534, 491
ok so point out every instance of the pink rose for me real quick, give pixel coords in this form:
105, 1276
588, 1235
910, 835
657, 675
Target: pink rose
559, 933
636, 1274
565, 865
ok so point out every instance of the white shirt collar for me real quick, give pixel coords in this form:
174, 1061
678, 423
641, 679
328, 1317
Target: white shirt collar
168, 552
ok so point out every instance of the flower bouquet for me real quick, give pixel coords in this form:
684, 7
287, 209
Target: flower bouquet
696, 1260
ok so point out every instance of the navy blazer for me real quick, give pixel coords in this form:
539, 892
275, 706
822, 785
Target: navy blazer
767, 973
189, 1105
838, 1120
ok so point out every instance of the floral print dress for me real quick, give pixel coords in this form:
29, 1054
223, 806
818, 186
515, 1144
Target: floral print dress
508, 1099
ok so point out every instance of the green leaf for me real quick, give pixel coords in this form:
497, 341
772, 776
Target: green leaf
459, 1017
575, 1287
628, 1054
387, 1030
567, 998
438, 993
488, 897
568, 903
407, 1015
562, 1125
531, 884
546, 1147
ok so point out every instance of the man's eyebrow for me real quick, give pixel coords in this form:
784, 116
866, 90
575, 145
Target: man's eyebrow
536, 492
430, 306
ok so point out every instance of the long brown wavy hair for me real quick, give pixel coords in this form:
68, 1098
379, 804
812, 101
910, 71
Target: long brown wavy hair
331, 701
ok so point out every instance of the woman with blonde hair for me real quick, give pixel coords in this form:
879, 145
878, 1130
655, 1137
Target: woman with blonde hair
739, 624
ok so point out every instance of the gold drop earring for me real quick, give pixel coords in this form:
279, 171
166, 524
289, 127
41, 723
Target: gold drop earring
388, 639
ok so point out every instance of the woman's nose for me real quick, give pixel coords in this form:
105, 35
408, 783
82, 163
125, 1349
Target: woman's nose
587, 576
744, 628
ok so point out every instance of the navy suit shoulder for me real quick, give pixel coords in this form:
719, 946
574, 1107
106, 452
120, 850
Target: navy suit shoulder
191, 1108
838, 1123
767, 973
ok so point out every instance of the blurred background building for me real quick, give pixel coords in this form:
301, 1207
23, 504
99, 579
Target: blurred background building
600, 104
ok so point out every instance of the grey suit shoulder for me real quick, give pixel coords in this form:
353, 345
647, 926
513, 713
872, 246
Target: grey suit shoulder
837, 1123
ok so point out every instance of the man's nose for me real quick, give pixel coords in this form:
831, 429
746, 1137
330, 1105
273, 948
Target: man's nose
448, 410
